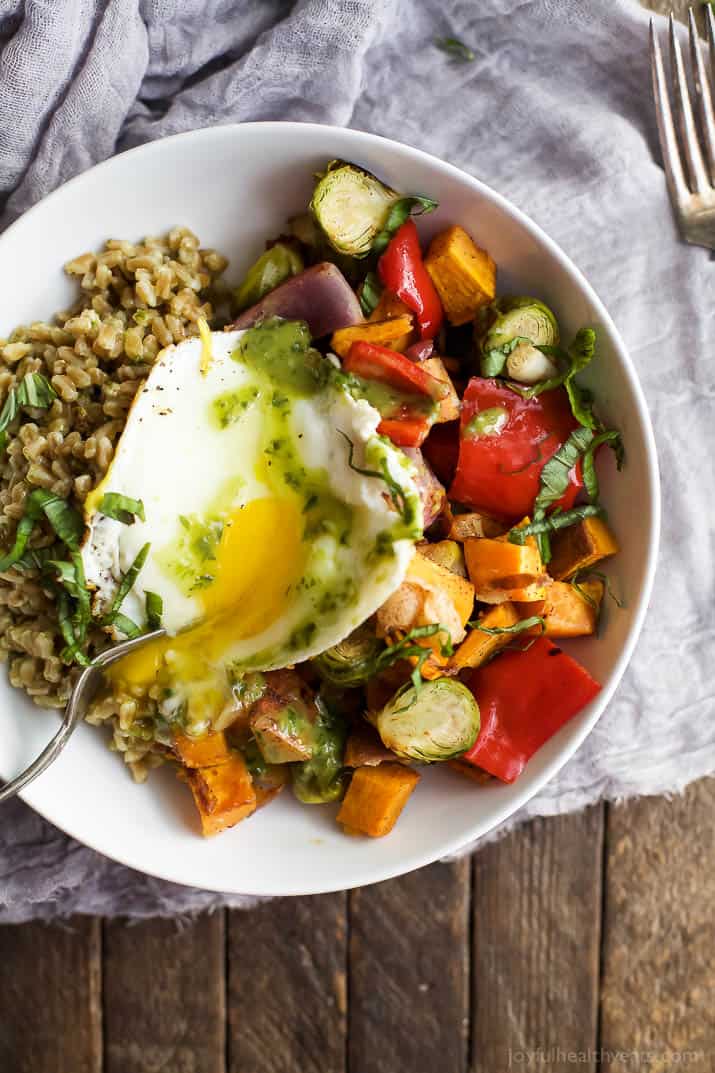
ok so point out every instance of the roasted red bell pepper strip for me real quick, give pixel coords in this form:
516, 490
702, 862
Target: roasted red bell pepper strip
524, 698
406, 431
402, 271
379, 363
505, 441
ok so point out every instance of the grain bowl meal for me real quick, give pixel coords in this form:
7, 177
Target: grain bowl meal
357, 493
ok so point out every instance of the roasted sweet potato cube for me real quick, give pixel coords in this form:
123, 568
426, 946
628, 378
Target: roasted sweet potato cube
395, 333
208, 751
449, 407
224, 795
499, 565
474, 773
375, 798
477, 647
474, 524
389, 307
364, 747
570, 611
580, 546
446, 553
464, 274
438, 579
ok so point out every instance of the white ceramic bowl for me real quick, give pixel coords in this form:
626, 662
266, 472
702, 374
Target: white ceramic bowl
234, 186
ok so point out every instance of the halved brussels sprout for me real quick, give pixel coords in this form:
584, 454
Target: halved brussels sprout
438, 722
272, 268
351, 662
520, 326
351, 206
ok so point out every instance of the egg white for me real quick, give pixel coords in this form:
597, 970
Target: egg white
174, 457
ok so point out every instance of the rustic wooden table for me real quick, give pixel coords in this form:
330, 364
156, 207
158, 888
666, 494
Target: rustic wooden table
586, 942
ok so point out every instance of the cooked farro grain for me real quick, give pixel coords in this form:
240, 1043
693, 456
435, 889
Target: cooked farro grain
135, 299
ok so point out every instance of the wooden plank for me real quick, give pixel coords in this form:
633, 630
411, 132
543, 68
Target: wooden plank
537, 909
286, 986
409, 973
658, 988
164, 990
50, 1007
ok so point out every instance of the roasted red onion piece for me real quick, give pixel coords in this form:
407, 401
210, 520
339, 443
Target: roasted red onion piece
320, 295
420, 351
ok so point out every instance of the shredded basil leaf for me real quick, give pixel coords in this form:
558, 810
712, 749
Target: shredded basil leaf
407, 648
83, 613
126, 584
585, 574
33, 390
561, 519
518, 627
579, 354
122, 508
127, 626
590, 479
555, 474
65, 521
38, 558
369, 293
397, 496
399, 212
455, 49
63, 571
154, 609
72, 650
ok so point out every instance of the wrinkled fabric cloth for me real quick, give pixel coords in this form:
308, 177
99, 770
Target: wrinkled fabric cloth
555, 112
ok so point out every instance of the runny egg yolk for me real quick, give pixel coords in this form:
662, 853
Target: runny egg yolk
260, 554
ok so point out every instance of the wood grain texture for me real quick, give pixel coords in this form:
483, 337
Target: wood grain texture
537, 910
50, 1008
164, 991
409, 973
658, 988
287, 998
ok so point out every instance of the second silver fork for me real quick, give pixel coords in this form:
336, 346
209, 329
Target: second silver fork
689, 160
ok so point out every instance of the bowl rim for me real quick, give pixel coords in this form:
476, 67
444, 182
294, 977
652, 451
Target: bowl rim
450, 846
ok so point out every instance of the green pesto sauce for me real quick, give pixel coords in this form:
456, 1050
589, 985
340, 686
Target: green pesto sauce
388, 401
280, 352
190, 557
487, 422
232, 405
320, 779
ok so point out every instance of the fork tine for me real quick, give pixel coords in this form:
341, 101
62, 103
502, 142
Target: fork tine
710, 24
684, 108
703, 93
679, 192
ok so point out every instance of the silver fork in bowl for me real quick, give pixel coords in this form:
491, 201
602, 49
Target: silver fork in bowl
84, 691
691, 181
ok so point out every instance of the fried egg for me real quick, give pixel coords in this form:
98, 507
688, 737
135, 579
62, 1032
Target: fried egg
277, 519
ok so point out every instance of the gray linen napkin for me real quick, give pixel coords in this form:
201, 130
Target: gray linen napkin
555, 112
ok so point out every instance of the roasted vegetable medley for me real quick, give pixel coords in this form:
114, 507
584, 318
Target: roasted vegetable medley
461, 664
404, 521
